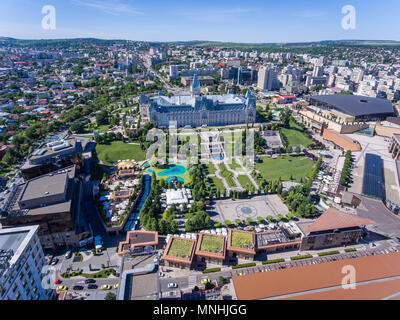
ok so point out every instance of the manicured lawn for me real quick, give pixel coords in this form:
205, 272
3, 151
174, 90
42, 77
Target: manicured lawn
296, 137
227, 175
117, 150
218, 184
245, 181
103, 128
211, 244
284, 167
210, 168
180, 248
240, 239
235, 166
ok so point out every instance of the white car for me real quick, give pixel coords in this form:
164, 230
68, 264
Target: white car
172, 285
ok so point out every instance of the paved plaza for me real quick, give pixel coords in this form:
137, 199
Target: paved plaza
257, 206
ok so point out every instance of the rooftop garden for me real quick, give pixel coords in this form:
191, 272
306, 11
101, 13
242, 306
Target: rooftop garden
211, 244
180, 248
241, 239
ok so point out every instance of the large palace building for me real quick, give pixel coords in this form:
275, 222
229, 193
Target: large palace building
196, 110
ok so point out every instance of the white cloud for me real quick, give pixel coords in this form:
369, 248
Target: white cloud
114, 7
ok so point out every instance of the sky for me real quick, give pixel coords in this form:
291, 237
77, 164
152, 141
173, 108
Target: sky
250, 21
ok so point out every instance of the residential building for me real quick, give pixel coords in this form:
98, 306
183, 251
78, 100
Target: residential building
21, 265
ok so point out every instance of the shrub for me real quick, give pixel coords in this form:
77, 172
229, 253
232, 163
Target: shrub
306, 256
211, 270
244, 265
273, 261
350, 250
321, 254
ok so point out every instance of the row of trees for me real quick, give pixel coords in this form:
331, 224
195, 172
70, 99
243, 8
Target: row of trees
345, 176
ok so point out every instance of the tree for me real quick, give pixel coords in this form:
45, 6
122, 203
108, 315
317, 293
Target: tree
227, 223
102, 117
110, 296
238, 222
249, 221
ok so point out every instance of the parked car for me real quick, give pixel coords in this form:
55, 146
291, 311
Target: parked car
54, 261
205, 280
161, 274
57, 281
77, 288
92, 286
68, 254
116, 286
62, 288
172, 285
90, 281
105, 287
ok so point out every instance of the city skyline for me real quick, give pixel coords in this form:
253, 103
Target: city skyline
254, 22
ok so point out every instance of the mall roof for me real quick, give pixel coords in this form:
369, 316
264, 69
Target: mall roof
356, 105
333, 219
279, 284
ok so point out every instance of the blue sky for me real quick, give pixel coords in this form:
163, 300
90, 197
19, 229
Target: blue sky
216, 20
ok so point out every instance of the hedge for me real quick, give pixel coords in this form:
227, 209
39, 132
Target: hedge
350, 250
301, 257
273, 261
245, 265
101, 274
211, 270
327, 253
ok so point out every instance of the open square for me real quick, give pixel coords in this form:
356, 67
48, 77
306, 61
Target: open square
257, 206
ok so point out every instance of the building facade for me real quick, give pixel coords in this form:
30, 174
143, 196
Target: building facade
21, 264
197, 111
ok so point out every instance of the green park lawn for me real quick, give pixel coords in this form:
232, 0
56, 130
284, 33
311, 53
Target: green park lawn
211, 243
240, 239
118, 150
295, 136
210, 168
284, 167
245, 181
180, 248
235, 166
218, 184
227, 175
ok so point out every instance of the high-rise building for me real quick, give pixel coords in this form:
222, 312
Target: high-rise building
173, 71
21, 265
267, 78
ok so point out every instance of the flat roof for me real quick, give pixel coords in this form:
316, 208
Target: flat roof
250, 250
373, 176
278, 283
202, 250
44, 186
356, 105
186, 258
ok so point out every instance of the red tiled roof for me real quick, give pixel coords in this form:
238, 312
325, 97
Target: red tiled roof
334, 219
340, 141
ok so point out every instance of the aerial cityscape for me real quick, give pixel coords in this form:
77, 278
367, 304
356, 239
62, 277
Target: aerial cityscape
161, 167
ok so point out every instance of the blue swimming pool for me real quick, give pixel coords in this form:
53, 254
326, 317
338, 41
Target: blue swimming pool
177, 178
173, 170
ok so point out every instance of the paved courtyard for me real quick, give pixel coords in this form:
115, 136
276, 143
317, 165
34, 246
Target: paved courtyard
257, 206
379, 146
